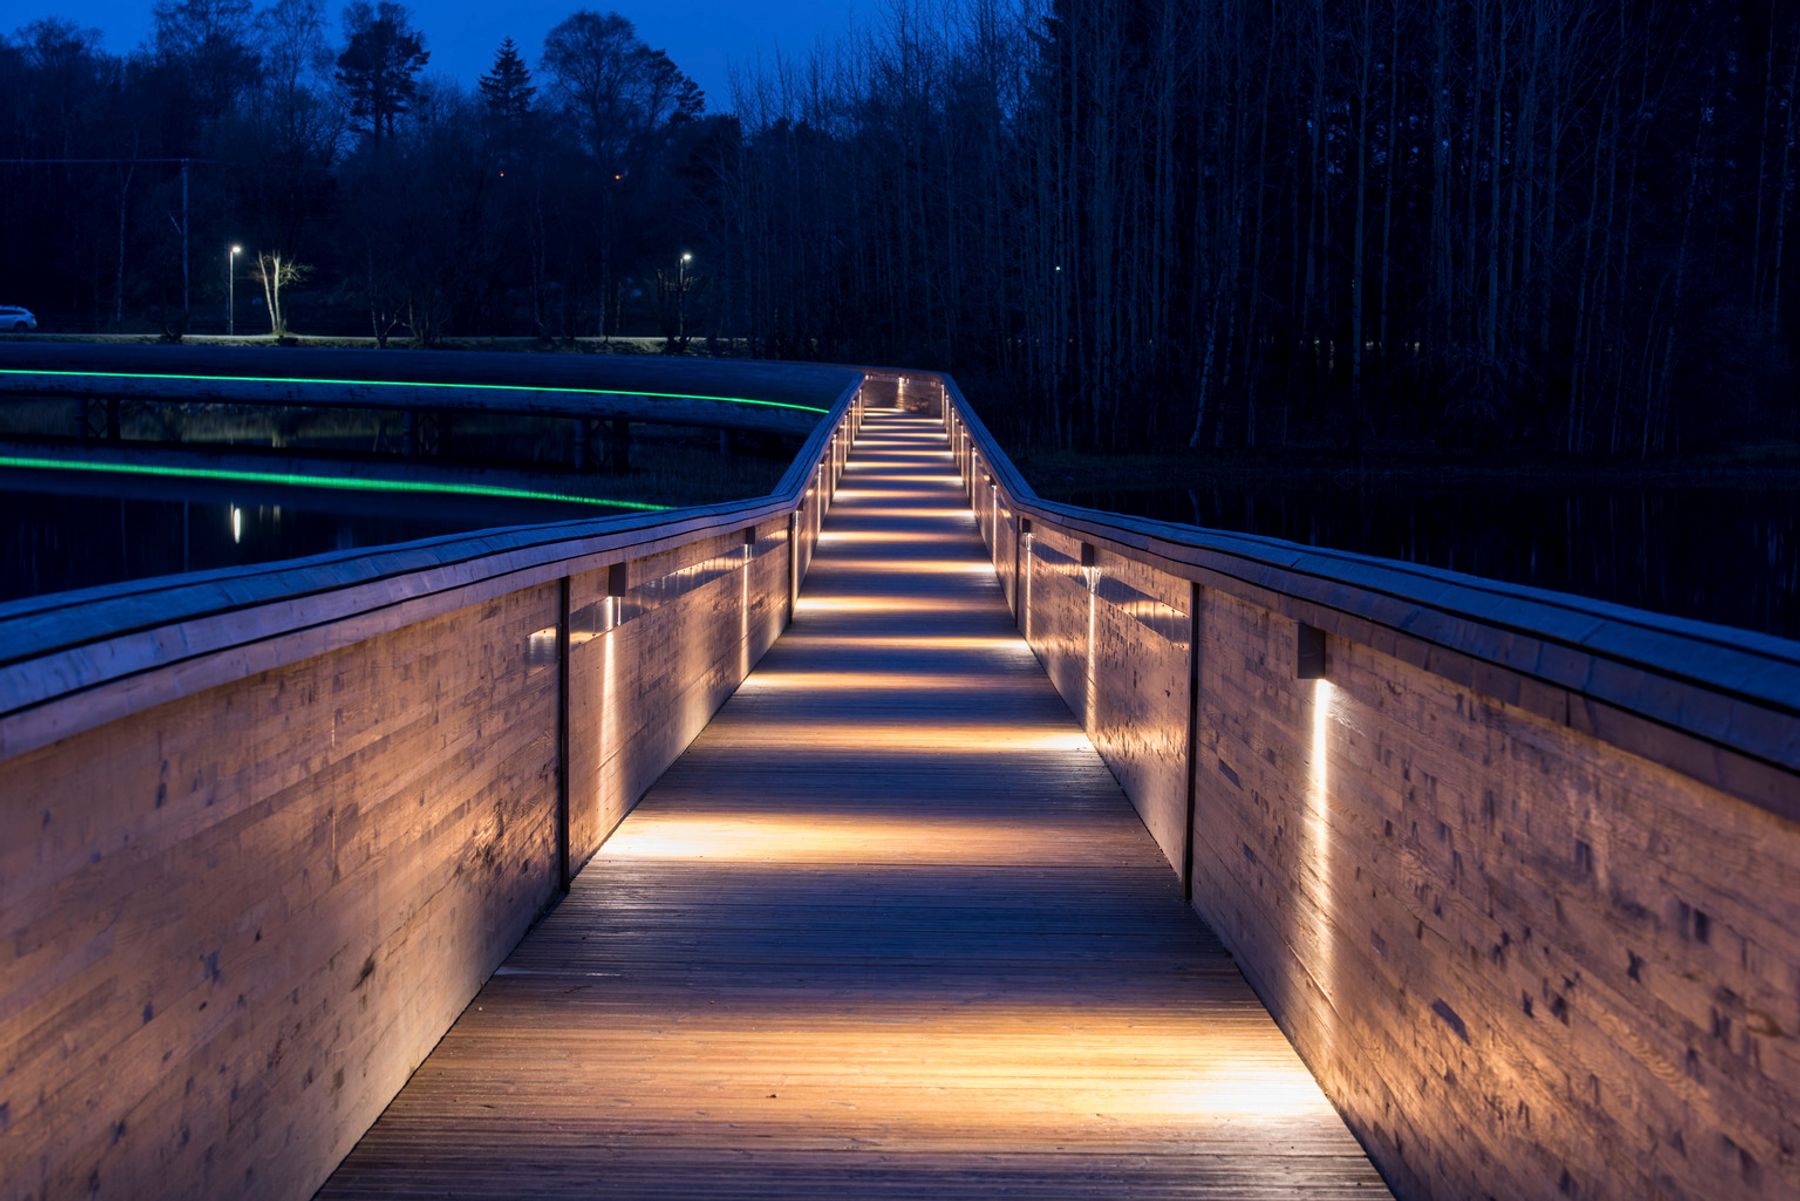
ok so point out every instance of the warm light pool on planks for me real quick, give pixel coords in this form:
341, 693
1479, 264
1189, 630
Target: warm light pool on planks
889, 928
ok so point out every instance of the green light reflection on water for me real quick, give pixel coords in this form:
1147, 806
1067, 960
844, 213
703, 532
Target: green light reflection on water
397, 383
340, 482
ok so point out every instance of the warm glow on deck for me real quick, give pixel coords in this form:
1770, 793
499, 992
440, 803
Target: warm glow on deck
950, 504
917, 738
947, 512
910, 642
912, 567
890, 604
847, 907
863, 681
809, 837
1261, 1081
891, 537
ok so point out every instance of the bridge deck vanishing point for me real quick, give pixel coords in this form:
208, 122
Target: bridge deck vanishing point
889, 928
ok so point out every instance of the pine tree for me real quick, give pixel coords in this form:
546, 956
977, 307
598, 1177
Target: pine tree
507, 89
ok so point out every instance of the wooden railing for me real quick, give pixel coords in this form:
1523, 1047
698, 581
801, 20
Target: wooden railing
1516, 871
264, 832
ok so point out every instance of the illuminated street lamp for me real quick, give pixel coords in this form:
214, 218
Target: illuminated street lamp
681, 296
231, 291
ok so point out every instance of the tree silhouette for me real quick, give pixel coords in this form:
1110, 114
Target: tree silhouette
507, 89
380, 64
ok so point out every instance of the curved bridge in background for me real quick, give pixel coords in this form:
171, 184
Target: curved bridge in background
898, 832
776, 398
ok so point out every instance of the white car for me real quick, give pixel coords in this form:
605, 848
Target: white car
15, 320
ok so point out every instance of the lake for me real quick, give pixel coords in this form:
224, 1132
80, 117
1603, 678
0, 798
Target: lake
1722, 554
59, 533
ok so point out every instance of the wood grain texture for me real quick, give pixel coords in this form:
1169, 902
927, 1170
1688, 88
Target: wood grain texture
1126, 680
1524, 966
888, 929
234, 924
641, 693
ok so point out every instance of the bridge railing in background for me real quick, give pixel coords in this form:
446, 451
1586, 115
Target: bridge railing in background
264, 832
1517, 872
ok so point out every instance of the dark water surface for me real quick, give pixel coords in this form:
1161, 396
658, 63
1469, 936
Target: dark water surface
58, 534
1723, 554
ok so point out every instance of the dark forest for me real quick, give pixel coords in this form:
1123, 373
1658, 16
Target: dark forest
1555, 225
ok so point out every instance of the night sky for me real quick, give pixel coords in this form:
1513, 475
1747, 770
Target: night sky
704, 37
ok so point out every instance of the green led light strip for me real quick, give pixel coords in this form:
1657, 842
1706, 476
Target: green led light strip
343, 483
399, 383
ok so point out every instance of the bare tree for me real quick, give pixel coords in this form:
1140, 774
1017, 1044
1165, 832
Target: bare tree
275, 274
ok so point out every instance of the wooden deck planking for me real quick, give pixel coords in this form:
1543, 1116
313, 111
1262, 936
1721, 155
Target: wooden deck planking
889, 928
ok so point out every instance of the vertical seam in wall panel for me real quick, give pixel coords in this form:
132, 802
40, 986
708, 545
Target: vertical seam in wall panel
563, 867
1018, 598
1193, 740
793, 573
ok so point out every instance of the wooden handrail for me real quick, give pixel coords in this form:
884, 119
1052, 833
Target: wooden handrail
1721, 705
70, 663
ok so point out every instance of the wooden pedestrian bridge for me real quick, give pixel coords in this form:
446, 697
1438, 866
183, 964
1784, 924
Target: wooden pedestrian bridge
898, 834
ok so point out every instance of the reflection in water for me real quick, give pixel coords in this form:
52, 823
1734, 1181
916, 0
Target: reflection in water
56, 540
1725, 555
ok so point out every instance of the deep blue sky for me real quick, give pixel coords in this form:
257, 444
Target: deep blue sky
704, 37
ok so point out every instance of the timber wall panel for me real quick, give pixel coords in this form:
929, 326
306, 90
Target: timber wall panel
238, 921
1117, 652
1524, 964
640, 693
1005, 549
1058, 626
881, 392
1139, 667
912, 393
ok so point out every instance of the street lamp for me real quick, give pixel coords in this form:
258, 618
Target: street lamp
231, 291
681, 296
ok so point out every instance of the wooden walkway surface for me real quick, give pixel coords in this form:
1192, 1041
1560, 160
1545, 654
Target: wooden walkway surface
888, 929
